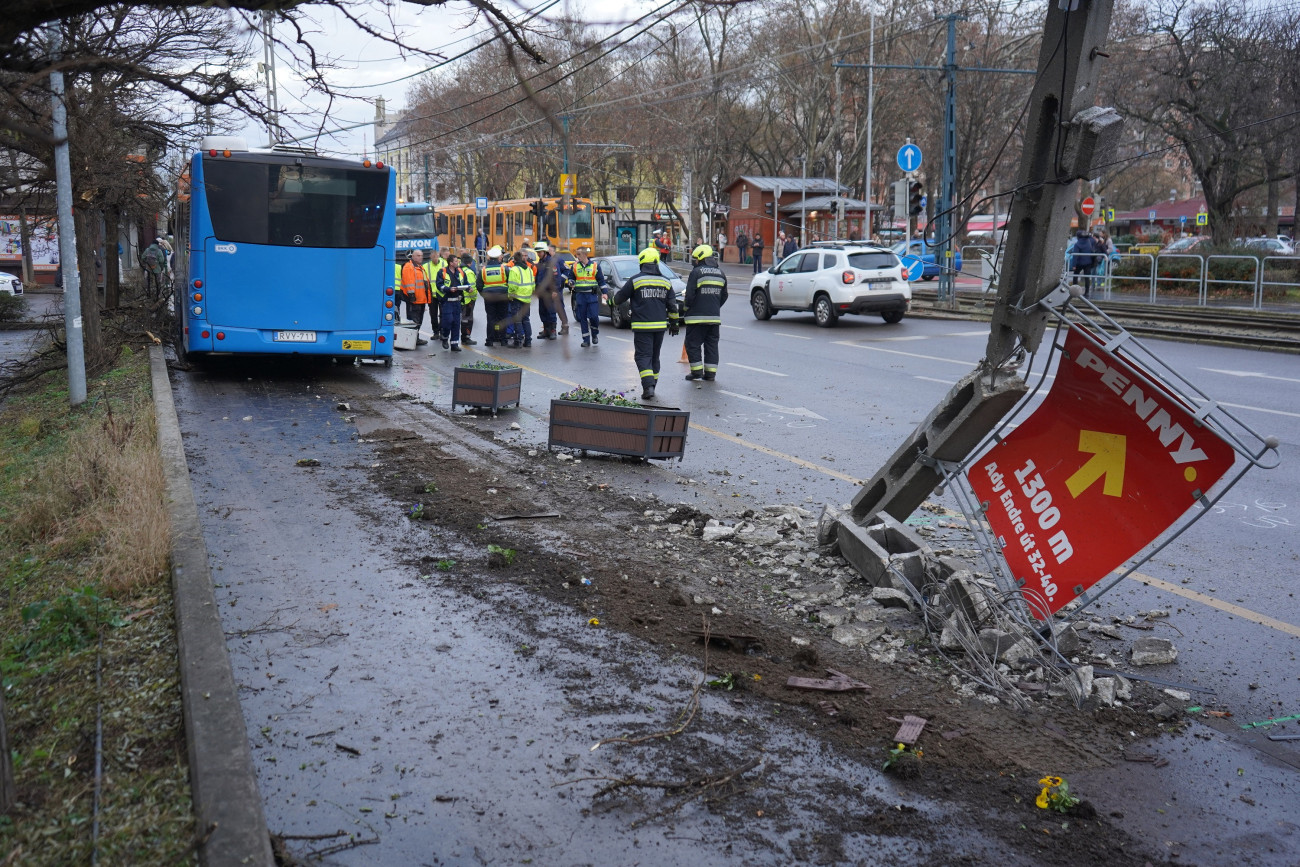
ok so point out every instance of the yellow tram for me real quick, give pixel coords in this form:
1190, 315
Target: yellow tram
509, 222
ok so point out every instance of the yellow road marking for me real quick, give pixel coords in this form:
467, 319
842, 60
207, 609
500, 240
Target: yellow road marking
1236, 610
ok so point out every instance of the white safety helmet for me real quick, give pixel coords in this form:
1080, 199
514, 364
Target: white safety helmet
495, 252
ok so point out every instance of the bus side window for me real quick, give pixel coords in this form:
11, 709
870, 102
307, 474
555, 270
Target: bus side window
442, 224
500, 228
519, 223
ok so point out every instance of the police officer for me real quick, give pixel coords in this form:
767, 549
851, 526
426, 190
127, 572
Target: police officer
706, 292
588, 295
654, 310
521, 282
452, 284
496, 297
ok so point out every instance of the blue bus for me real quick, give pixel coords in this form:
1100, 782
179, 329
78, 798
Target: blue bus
289, 254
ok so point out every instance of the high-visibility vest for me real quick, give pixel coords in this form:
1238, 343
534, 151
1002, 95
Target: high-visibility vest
495, 280
414, 283
521, 282
584, 276
397, 275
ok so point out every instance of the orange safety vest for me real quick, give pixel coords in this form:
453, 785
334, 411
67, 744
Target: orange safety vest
414, 283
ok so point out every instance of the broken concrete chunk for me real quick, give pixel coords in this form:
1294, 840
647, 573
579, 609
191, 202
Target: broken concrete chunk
1083, 679
835, 616
1104, 689
715, 532
817, 594
857, 634
955, 635
1164, 713
1123, 688
867, 611
1105, 630
995, 642
969, 596
826, 522
1067, 641
1153, 651
891, 598
1024, 650
1178, 694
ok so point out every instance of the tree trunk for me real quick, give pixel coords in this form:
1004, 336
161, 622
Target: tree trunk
8, 791
25, 238
92, 339
1270, 212
112, 277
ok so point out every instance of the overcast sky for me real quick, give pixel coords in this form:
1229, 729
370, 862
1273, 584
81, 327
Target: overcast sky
369, 67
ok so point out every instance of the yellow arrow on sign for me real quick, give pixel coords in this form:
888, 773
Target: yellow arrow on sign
1107, 460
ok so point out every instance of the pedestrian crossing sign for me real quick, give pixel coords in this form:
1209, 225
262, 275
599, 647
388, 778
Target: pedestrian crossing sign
1202, 219
1110, 215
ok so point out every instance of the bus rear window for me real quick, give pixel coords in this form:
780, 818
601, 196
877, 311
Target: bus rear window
294, 206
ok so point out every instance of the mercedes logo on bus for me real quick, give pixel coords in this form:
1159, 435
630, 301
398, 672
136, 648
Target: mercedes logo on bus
297, 239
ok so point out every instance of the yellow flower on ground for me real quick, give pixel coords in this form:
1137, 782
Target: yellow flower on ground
595, 621
1041, 800
1050, 781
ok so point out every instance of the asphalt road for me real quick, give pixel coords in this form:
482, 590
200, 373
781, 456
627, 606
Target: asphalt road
802, 414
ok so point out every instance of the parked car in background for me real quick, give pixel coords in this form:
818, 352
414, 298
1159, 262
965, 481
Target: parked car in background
1191, 245
831, 279
1270, 246
10, 285
910, 251
617, 270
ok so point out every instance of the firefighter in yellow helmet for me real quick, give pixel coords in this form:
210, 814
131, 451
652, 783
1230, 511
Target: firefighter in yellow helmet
654, 311
706, 292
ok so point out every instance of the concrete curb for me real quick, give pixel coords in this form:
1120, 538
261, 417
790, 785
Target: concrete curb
227, 805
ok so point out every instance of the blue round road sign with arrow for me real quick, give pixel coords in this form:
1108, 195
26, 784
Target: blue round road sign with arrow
909, 157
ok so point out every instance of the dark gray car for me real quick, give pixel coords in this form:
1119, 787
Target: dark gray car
617, 270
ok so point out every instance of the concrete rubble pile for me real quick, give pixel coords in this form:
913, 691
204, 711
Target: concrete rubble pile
882, 588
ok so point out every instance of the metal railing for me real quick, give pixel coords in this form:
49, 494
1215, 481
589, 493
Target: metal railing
1194, 280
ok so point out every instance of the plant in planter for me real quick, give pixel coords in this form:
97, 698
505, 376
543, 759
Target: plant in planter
486, 384
592, 419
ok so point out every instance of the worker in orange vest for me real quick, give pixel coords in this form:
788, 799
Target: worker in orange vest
416, 288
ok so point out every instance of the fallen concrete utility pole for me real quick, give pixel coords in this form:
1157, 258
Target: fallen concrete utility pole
1065, 136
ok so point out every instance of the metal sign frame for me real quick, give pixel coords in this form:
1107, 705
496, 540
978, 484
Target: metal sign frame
1071, 312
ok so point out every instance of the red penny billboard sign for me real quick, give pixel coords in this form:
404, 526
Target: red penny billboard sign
1105, 465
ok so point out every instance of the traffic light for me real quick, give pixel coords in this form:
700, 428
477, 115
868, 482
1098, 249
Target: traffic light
539, 209
900, 197
914, 196
767, 208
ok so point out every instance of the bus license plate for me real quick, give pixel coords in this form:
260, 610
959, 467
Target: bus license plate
356, 344
295, 336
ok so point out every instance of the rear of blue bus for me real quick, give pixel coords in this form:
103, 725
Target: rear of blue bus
289, 254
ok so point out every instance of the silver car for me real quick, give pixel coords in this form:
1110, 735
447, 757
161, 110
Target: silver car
617, 270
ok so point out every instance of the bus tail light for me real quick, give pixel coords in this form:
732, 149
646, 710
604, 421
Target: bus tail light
221, 335
212, 153
198, 296
388, 291
365, 163
225, 153
203, 334
388, 317
381, 339
198, 284
197, 311
388, 304
379, 165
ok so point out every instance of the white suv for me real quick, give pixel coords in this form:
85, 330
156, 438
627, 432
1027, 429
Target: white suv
831, 279
10, 285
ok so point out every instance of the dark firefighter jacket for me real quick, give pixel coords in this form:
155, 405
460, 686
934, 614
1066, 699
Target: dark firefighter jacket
653, 300
706, 292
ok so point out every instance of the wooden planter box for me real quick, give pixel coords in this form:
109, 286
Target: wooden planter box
490, 389
619, 430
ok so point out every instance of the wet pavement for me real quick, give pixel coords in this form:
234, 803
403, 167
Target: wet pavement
394, 682
442, 728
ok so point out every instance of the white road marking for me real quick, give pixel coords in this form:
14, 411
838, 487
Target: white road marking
1250, 373
933, 379
908, 354
984, 333
734, 327
788, 410
788, 334
909, 337
755, 369
620, 339
1259, 409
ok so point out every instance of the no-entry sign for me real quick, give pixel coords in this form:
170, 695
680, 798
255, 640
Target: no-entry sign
1103, 467
1088, 206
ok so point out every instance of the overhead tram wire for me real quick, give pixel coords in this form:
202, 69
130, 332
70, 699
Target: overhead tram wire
642, 94
546, 6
